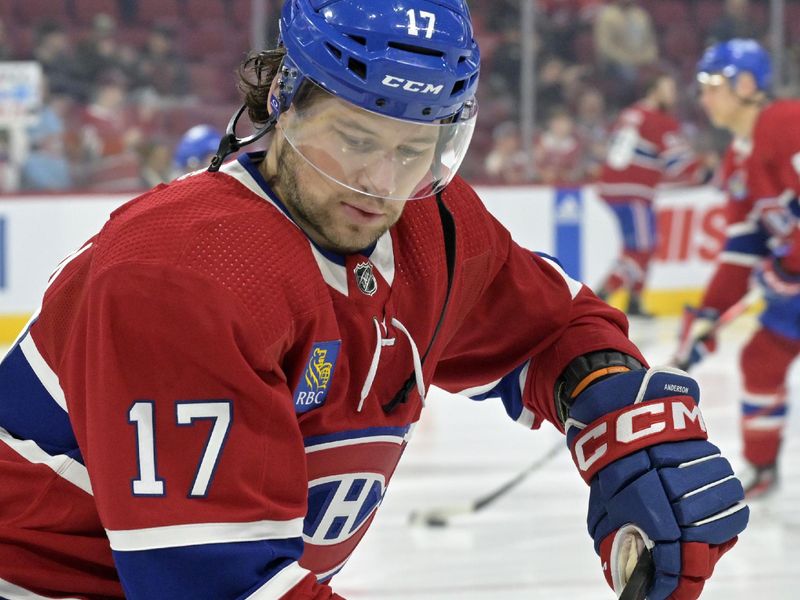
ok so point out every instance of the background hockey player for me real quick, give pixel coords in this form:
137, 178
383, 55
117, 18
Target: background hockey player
218, 386
760, 177
646, 148
196, 148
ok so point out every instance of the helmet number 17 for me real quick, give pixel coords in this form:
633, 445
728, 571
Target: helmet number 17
413, 28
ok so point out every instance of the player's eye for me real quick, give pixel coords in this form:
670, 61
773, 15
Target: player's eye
409, 152
356, 143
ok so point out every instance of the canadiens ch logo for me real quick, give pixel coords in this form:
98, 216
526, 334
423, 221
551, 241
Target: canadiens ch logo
314, 385
366, 278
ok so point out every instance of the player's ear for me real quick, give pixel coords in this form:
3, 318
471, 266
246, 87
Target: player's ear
746, 85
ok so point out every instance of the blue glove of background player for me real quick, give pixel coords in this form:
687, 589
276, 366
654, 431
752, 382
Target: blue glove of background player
639, 440
777, 282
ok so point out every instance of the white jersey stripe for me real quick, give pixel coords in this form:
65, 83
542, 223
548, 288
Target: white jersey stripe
479, 389
63, 465
197, 534
526, 418
9, 591
43, 371
387, 439
742, 228
281, 583
573, 285
738, 258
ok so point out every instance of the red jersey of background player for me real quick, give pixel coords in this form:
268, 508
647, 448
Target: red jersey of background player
760, 177
646, 147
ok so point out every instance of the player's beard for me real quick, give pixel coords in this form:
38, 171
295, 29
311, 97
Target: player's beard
318, 217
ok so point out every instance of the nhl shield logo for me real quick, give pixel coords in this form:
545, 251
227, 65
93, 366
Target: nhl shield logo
366, 279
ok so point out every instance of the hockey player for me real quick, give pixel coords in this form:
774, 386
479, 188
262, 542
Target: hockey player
217, 388
646, 147
196, 148
760, 177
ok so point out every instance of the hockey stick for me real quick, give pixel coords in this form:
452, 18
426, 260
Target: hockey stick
439, 517
641, 579
730, 314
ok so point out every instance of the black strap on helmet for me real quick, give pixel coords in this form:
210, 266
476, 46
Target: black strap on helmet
230, 143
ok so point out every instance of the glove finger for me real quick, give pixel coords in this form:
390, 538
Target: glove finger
679, 481
710, 501
698, 560
688, 589
721, 528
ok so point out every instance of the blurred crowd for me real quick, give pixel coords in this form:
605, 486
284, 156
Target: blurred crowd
124, 79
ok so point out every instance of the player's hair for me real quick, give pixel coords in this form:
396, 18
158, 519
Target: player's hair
650, 80
256, 74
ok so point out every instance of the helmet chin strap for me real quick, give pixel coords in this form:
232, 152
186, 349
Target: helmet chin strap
231, 143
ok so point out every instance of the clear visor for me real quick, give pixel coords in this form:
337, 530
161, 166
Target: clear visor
374, 154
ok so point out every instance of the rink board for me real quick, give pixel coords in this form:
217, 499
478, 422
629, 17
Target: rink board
37, 232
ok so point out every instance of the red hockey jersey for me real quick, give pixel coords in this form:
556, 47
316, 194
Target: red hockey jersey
646, 147
760, 176
197, 410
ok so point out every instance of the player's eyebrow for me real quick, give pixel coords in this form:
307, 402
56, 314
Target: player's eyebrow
420, 139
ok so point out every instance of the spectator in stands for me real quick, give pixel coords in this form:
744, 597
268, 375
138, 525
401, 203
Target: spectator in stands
101, 52
560, 21
6, 48
107, 127
550, 86
53, 50
507, 162
156, 162
161, 67
736, 22
592, 126
625, 41
46, 166
558, 151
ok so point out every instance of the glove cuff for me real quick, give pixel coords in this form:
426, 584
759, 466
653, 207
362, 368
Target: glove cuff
586, 370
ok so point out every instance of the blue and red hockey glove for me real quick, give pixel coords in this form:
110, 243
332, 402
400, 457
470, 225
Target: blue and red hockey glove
696, 340
639, 440
777, 282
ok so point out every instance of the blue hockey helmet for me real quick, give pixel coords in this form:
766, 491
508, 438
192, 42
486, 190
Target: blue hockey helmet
733, 57
410, 59
402, 75
196, 146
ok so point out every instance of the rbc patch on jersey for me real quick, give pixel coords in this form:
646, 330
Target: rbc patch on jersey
314, 384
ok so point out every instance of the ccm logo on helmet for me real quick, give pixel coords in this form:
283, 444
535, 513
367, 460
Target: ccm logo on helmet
411, 86
635, 427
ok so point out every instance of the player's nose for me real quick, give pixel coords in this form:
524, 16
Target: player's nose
379, 178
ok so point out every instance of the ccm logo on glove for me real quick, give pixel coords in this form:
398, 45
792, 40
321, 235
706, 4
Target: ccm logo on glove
635, 427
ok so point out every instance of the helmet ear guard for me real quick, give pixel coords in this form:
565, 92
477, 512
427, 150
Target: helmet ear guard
287, 83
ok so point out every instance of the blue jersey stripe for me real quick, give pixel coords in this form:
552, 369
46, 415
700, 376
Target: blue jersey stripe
354, 434
29, 412
748, 243
208, 571
764, 411
509, 391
